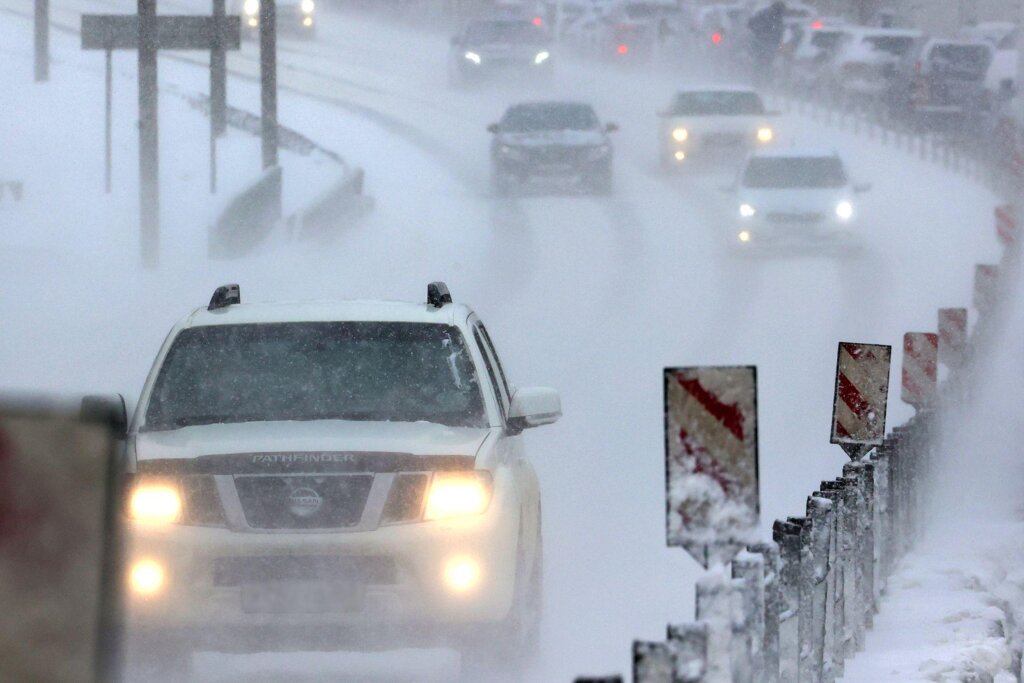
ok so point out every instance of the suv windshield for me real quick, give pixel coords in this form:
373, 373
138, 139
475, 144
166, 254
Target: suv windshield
794, 172
399, 372
519, 32
959, 61
533, 117
717, 104
894, 45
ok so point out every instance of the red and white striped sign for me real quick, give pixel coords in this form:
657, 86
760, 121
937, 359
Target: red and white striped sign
920, 367
711, 465
861, 397
952, 336
1006, 224
985, 277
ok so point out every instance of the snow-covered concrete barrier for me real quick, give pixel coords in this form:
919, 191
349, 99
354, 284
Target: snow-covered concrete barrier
248, 218
339, 202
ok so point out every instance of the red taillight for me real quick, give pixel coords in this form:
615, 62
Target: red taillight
817, 24
537, 21
622, 49
716, 38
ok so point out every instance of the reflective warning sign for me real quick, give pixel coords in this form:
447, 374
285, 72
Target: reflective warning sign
861, 395
920, 368
711, 460
58, 548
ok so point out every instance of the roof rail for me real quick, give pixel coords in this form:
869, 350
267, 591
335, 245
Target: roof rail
438, 294
225, 296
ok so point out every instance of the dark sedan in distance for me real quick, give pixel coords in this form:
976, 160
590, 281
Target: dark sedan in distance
551, 140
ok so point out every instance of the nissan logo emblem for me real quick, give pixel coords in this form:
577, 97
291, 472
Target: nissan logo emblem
304, 502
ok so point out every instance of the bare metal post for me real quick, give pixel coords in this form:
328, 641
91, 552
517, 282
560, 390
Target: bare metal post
108, 119
268, 80
149, 149
42, 40
218, 89
773, 607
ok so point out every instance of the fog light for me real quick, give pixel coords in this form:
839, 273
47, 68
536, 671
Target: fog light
307, 22
744, 236
147, 577
680, 155
462, 574
253, 22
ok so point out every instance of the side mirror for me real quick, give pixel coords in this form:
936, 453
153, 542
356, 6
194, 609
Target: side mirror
611, 127
493, 128
861, 187
108, 410
533, 407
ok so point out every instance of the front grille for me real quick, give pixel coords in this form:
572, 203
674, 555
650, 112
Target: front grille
794, 217
303, 502
235, 571
723, 139
556, 154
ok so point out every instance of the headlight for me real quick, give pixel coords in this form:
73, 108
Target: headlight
473, 57
458, 494
765, 135
541, 57
146, 577
155, 502
844, 210
599, 152
307, 6
746, 210
680, 134
251, 7
744, 236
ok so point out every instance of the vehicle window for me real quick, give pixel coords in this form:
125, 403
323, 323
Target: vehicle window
794, 172
533, 117
826, 40
717, 104
964, 61
396, 372
894, 45
518, 32
497, 361
491, 373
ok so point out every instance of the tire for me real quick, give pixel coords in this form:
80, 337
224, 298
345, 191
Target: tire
505, 651
601, 182
501, 183
158, 657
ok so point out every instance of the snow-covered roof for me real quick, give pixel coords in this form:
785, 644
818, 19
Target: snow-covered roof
328, 311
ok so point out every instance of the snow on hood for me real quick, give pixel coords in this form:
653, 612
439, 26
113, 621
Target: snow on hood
418, 438
541, 138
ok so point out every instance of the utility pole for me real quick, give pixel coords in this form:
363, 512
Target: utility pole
149, 149
268, 80
42, 40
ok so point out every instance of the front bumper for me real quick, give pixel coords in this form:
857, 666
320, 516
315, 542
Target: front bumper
565, 167
222, 587
754, 233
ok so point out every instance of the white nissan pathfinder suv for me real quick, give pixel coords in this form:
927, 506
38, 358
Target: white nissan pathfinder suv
330, 476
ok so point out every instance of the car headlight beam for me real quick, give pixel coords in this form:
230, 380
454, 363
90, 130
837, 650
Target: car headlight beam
307, 6
747, 211
680, 135
457, 494
765, 135
157, 502
541, 57
844, 210
472, 57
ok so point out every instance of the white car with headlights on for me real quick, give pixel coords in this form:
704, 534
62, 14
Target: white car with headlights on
794, 196
294, 17
328, 476
489, 48
708, 125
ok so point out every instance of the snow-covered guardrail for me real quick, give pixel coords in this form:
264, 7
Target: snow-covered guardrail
794, 609
248, 218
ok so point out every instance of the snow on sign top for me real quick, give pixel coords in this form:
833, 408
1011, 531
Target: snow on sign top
711, 468
862, 391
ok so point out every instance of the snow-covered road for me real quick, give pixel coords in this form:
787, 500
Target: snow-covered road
591, 295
